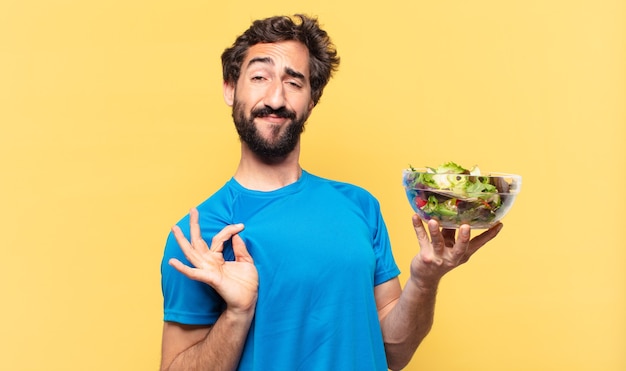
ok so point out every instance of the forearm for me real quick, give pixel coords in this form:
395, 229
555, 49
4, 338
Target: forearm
408, 322
221, 349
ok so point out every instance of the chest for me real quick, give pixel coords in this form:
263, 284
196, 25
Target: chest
300, 242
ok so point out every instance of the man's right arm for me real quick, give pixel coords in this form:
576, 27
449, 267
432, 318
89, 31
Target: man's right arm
213, 348
216, 347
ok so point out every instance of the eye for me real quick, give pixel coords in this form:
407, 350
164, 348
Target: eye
294, 84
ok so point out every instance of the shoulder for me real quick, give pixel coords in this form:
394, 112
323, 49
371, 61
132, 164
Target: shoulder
213, 208
214, 213
340, 186
351, 191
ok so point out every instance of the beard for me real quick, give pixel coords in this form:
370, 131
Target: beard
279, 145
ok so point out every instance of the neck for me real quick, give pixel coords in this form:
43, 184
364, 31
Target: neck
261, 174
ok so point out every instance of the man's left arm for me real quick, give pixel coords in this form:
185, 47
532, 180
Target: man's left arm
406, 316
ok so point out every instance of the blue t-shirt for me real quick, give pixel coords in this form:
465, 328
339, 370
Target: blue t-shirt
320, 247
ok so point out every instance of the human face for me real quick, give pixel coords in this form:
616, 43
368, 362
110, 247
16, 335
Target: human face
272, 98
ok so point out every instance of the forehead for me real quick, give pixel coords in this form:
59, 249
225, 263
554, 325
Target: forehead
282, 54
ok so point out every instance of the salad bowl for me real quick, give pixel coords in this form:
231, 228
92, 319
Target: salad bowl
453, 195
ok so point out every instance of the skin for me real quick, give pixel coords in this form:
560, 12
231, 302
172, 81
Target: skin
276, 75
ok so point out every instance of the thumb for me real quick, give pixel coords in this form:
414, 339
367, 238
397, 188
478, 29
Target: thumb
240, 250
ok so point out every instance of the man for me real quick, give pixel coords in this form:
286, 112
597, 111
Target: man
298, 273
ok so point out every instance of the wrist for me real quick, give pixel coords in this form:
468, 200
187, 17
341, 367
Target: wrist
237, 320
424, 284
240, 314
424, 276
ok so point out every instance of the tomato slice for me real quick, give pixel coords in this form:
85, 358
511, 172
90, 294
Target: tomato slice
420, 202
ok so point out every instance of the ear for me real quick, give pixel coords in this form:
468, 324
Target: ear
229, 93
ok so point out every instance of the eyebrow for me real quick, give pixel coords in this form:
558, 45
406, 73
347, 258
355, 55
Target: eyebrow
267, 60
293, 73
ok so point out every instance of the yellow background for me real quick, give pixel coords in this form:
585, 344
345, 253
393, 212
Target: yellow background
113, 126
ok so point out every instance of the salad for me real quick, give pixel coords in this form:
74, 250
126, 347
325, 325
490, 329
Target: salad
454, 195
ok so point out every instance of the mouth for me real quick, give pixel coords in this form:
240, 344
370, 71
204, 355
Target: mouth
272, 115
274, 119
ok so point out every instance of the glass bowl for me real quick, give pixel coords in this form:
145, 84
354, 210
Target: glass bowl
455, 199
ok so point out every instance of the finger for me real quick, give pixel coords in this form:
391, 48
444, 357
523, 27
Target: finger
240, 250
194, 228
420, 232
190, 253
436, 237
461, 245
217, 243
478, 241
464, 233
180, 237
189, 272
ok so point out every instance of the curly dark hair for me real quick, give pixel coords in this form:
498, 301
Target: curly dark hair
323, 58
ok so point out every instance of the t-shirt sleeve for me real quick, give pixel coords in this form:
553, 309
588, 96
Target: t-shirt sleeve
186, 301
386, 267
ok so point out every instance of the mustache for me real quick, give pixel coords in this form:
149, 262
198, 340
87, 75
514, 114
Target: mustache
281, 112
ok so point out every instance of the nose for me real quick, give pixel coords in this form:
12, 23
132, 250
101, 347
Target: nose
275, 95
